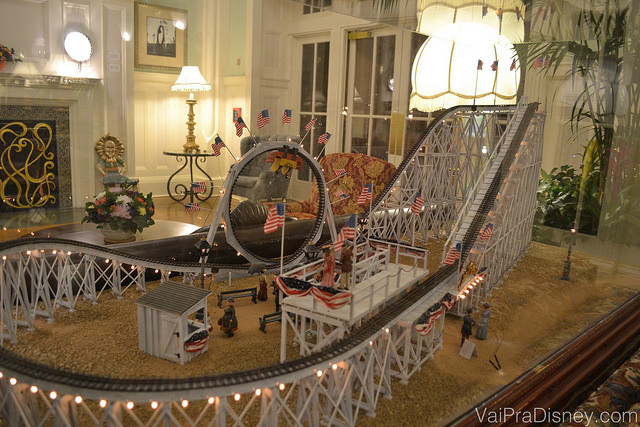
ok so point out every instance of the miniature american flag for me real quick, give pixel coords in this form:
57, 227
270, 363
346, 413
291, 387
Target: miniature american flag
192, 207
494, 66
547, 61
538, 62
488, 231
347, 232
513, 65
286, 116
198, 187
240, 125
324, 138
263, 119
275, 218
480, 64
340, 172
417, 204
452, 255
485, 9
366, 194
309, 125
217, 146
340, 194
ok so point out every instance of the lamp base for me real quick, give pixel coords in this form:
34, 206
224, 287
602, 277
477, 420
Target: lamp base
191, 146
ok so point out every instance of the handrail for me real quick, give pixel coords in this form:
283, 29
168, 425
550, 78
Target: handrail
485, 169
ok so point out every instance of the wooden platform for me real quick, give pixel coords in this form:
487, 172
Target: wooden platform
368, 295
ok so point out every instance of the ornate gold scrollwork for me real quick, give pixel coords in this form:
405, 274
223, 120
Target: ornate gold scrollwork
25, 165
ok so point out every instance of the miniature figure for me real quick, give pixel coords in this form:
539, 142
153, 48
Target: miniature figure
329, 257
262, 292
229, 323
468, 323
483, 327
346, 266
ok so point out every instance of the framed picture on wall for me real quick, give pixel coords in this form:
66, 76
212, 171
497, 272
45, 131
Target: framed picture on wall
160, 37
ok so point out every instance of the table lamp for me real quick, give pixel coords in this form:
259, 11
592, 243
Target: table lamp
190, 80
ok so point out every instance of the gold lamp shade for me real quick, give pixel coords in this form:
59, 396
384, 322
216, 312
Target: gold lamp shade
191, 80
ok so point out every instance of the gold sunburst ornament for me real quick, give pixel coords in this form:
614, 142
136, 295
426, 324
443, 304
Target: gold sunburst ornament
110, 149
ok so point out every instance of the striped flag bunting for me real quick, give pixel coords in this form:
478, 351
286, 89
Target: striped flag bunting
286, 116
217, 145
309, 125
324, 138
331, 297
196, 341
340, 194
240, 125
275, 218
347, 232
198, 187
340, 172
192, 207
487, 232
452, 255
424, 324
366, 194
263, 119
417, 204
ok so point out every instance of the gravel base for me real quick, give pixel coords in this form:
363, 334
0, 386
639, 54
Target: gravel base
533, 312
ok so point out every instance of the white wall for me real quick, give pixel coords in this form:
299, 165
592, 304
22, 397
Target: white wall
100, 100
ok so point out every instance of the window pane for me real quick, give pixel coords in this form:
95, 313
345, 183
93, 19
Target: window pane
380, 138
304, 119
360, 135
306, 89
319, 128
415, 128
385, 51
322, 76
362, 86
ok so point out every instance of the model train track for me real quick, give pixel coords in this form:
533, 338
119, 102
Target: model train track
563, 380
93, 386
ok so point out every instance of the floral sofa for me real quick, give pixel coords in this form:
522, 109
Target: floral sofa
360, 170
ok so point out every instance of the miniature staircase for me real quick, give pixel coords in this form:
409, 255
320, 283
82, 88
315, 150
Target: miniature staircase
476, 214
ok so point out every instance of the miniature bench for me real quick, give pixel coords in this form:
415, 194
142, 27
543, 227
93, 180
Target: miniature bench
269, 318
239, 293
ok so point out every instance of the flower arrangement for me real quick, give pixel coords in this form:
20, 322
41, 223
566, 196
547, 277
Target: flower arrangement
120, 208
7, 54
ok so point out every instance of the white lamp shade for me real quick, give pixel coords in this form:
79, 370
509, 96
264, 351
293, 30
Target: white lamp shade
434, 16
445, 70
190, 80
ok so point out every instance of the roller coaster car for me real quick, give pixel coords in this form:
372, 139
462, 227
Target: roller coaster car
284, 160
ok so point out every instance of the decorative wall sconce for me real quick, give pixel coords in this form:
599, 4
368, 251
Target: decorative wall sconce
78, 46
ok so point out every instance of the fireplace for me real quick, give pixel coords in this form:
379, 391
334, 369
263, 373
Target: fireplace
35, 158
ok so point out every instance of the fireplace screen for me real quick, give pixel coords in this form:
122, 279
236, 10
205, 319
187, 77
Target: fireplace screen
28, 165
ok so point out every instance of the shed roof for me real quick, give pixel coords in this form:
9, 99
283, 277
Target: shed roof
173, 297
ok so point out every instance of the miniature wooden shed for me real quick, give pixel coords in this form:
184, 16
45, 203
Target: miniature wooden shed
163, 324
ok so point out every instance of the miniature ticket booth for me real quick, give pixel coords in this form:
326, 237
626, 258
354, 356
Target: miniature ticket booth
164, 327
